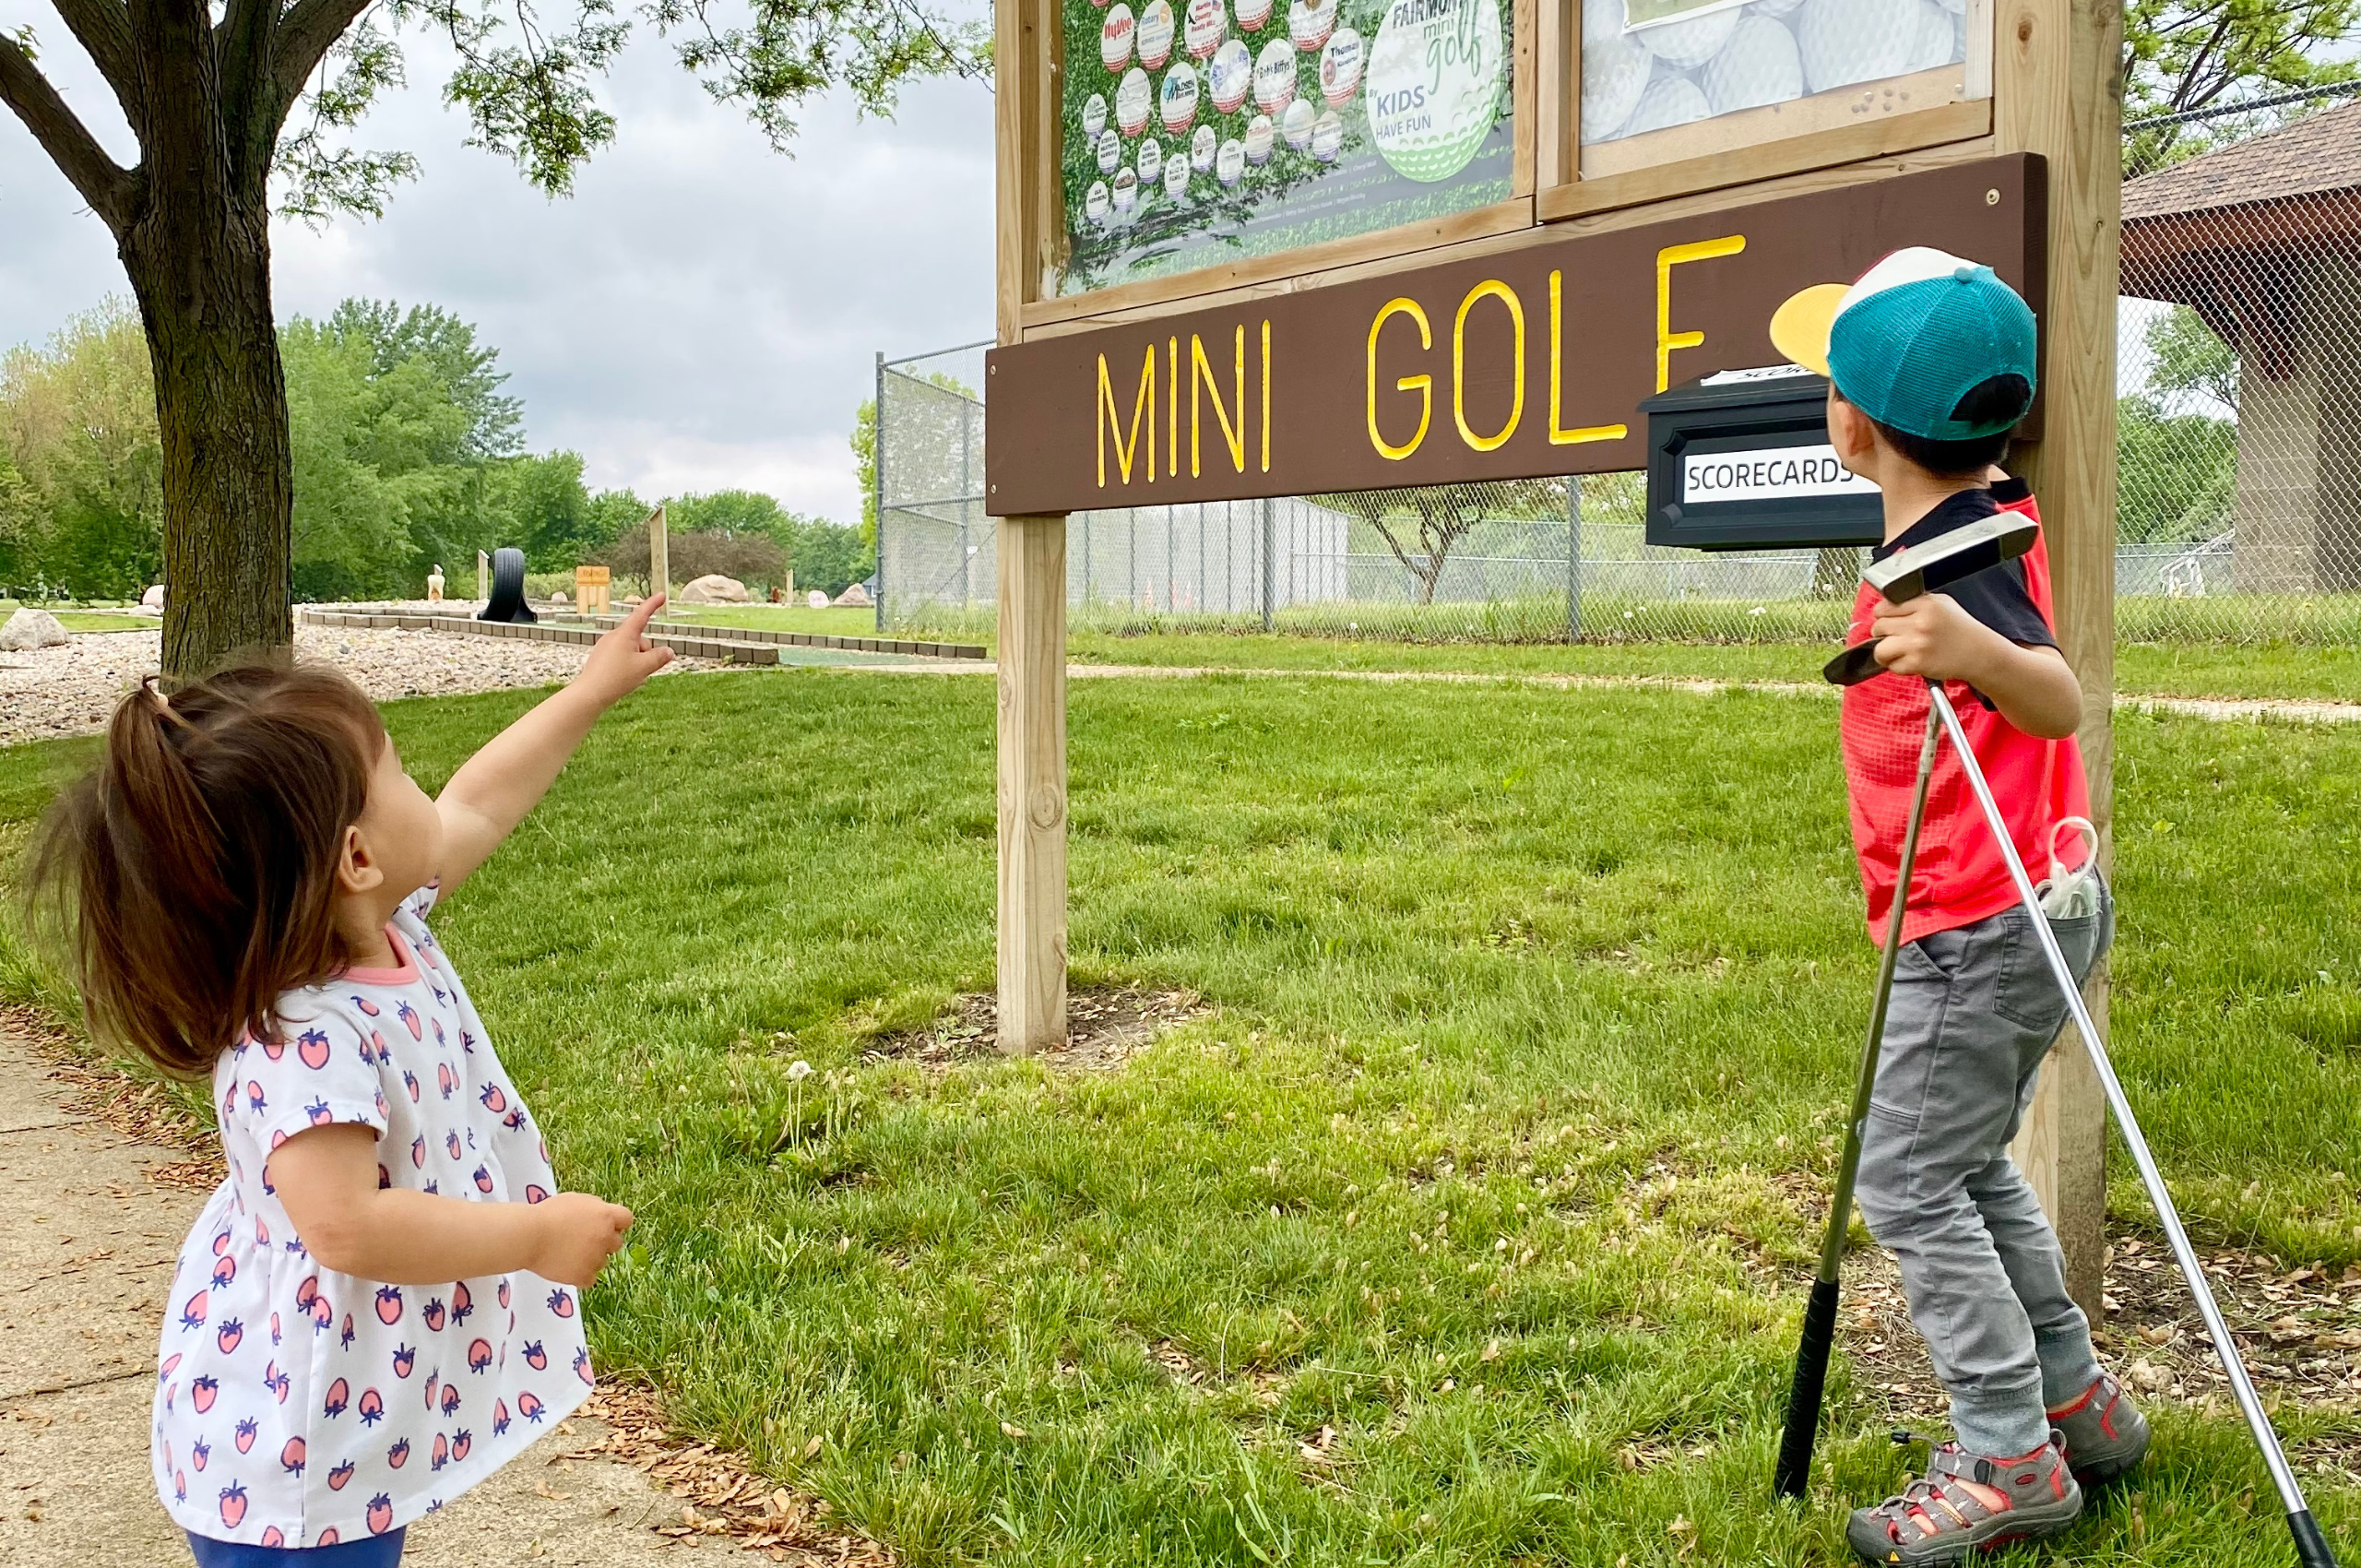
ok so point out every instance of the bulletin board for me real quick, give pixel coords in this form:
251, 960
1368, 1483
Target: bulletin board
1195, 132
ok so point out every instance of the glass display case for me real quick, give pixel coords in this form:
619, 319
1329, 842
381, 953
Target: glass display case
1664, 81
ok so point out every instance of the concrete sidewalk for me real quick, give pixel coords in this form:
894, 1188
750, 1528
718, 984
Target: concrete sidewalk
87, 1239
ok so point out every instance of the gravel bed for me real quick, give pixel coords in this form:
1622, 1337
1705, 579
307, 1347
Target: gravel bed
73, 690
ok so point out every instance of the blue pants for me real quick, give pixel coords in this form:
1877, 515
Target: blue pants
377, 1551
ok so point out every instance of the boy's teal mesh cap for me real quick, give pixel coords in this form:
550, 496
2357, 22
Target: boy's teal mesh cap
1921, 330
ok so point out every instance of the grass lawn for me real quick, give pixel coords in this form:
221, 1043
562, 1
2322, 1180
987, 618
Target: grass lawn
831, 623
2331, 673
85, 621
1536, 1012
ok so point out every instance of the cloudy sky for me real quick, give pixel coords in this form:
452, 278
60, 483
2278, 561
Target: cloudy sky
700, 314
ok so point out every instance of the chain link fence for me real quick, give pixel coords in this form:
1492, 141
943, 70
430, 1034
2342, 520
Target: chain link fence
2238, 516
2239, 423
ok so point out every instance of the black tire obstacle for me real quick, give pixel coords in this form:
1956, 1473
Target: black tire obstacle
507, 601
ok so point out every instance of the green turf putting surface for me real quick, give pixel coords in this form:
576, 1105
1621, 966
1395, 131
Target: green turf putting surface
1471, 1228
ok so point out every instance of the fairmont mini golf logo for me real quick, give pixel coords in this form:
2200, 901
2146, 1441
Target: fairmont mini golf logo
1433, 84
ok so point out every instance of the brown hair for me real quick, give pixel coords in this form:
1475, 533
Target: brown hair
189, 879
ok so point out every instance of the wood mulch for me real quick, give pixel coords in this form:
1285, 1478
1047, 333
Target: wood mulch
1105, 1026
141, 1109
718, 1493
2298, 1331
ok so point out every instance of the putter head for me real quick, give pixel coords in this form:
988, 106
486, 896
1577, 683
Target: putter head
1917, 569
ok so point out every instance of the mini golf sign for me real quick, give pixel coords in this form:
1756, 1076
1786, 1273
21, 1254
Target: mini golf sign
1530, 362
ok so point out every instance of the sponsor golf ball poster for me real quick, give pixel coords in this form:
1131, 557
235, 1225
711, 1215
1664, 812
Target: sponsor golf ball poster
1797, 65
1306, 120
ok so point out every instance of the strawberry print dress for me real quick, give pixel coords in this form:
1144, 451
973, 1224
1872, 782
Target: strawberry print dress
297, 1407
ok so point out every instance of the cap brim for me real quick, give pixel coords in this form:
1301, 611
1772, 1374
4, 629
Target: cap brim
1800, 328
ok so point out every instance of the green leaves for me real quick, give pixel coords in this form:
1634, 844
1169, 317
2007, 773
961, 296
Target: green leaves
792, 49
2182, 54
320, 178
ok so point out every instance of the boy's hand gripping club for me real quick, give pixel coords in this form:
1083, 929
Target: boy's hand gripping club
1921, 568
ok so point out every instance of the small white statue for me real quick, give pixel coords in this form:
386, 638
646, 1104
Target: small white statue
434, 585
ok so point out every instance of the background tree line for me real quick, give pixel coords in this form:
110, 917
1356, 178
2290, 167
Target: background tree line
407, 454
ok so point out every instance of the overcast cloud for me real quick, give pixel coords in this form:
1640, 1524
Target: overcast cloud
702, 313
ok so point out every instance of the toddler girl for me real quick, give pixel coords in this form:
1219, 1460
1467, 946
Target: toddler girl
379, 1306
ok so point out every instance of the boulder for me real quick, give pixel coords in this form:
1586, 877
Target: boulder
153, 599
854, 598
817, 599
714, 589
29, 629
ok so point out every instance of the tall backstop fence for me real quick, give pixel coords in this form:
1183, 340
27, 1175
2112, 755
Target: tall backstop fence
2238, 511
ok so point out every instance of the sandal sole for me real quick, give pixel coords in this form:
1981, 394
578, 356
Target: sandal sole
1948, 1553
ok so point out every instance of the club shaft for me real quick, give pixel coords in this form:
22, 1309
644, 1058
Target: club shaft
1800, 1431
2283, 1477
1848, 1170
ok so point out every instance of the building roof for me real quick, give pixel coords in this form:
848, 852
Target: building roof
2315, 155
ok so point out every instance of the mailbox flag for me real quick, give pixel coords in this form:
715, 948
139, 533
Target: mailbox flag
1907, 343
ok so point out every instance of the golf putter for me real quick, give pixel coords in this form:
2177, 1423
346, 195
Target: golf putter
1795, 1439
2311, 1546
1917, 569
1904, 575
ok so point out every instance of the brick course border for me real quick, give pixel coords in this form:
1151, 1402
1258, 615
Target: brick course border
738, 644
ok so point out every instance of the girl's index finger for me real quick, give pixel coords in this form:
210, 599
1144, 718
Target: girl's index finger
636, 621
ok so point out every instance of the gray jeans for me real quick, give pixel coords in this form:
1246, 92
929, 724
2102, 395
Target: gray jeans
1974, 1012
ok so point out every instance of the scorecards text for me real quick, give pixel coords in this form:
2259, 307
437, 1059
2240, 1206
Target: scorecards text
1767, 474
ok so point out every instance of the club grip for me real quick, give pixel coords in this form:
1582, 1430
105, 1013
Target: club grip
1803, 1396
1854, 665
2311, 1546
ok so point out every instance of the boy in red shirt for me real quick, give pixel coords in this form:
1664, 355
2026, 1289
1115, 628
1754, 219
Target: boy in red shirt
1931, 363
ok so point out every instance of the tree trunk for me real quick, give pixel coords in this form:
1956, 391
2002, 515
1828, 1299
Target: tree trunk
201, 272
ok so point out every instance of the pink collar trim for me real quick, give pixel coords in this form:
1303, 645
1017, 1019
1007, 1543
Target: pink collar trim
406, 975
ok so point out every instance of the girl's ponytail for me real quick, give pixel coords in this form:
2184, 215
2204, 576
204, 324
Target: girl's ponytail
189, 880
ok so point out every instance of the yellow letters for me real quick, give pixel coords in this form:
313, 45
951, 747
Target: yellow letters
1267, 395
1143, 411
1559, 437
1422, 383
1202, 371
1172, 405
1666, 259
1492, 287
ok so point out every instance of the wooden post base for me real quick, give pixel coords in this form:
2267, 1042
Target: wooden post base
2062, 1150
1032, 783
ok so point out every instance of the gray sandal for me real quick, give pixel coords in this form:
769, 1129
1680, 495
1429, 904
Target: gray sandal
1967, 1504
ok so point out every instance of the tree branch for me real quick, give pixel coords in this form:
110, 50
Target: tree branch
306, 33
251, 113
103, 28
104, 184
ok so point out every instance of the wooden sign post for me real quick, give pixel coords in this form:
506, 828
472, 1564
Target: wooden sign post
660, 556
1286, 260
591, 584
2059, 96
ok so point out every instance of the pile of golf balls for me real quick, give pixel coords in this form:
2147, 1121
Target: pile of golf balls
1746, 55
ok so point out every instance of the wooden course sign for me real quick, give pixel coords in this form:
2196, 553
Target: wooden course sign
1511, 366
1396, 316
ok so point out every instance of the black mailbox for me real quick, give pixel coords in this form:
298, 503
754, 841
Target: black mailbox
1741, 461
